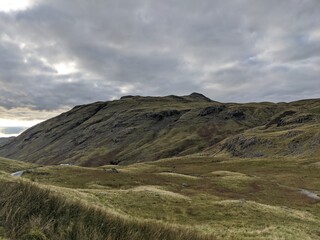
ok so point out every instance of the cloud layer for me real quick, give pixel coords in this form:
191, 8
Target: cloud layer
56, 54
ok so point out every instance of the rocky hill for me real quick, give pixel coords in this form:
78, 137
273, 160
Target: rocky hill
137, 129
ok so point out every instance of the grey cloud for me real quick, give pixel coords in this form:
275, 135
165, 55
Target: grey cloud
244, 50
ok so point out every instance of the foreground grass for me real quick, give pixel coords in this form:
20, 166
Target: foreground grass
30, 211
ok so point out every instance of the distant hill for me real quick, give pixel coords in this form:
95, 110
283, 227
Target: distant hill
137, 129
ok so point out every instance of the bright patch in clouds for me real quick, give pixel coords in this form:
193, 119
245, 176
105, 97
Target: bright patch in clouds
65, 68
15, 5
21, 123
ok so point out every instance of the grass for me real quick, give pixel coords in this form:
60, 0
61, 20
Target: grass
8, 165
31, 211
238, 198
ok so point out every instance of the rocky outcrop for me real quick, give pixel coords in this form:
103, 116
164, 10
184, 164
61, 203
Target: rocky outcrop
158, 116
279, 119
237, 114
244, 146
212, 110
295, 120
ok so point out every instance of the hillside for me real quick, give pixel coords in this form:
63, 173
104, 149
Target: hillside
137, 129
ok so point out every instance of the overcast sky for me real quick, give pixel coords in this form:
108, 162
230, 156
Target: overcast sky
55, 54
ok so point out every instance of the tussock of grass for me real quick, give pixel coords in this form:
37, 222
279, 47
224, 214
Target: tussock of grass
26, 208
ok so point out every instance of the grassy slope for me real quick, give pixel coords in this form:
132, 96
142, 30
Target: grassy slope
31, 211
10, 166
229, 198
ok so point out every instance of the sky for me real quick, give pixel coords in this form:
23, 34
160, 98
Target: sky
55, 54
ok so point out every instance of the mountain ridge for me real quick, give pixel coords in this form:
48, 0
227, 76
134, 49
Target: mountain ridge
137, 129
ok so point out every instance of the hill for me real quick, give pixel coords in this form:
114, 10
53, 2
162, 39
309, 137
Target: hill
137, 129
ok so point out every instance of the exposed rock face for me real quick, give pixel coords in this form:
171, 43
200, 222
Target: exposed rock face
237, 114
295, 120
158, 116
279, 119
137, 129
212, 110
238, 145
